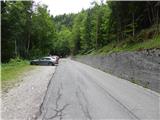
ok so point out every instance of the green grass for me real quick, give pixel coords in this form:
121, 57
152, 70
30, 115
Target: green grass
149, 44
11, 71
125, 46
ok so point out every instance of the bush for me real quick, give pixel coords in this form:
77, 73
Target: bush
17, 61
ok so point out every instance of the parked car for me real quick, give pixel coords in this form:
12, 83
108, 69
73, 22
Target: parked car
57, 58
44, 61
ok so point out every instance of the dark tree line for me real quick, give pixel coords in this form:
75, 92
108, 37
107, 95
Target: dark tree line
28, 30
130, 18
115, 21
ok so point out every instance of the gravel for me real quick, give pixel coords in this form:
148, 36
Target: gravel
23, 102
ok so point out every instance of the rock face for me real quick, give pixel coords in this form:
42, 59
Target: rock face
140, 67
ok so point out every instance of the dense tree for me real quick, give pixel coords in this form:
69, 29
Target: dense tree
62, 44
86, 32
76, 31
65, 20
115, 22
28, 30
43, 32
130, 17
15, 22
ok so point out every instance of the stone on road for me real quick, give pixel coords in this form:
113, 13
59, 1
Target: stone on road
78, 91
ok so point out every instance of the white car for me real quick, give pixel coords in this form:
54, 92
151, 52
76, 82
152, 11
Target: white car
44, 61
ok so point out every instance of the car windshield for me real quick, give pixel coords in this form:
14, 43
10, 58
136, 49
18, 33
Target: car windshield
46, 59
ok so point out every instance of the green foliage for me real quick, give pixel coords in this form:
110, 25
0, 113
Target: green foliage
29, 31
115, 25
43, 33
65, 20
127, 46
62, 44
14, 19
11, 71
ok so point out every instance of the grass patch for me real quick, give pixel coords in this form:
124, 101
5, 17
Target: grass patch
11, 71
149, 44
126, 46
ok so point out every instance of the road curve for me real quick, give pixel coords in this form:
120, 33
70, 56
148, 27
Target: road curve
78, 91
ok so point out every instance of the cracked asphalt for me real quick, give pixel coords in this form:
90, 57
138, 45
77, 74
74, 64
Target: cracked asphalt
78, 91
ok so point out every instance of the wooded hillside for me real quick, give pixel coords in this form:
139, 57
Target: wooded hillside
28, 30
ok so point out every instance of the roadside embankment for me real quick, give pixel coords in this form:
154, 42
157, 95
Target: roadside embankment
12, 71
140, 67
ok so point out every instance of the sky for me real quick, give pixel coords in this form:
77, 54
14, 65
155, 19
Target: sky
58, 7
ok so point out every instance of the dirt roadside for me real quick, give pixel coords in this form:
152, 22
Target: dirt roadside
23, 102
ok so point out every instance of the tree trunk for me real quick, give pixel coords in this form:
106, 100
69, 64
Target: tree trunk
157, 20
133, 26
16, 53
28, 44
97, 25
149, 16
29, 33
153, 15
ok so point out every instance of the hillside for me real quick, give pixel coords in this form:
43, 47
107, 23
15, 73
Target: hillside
111, 27
125, 46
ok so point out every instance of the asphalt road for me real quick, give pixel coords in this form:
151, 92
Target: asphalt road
78, 91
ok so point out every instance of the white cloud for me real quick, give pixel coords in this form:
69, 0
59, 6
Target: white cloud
57, 7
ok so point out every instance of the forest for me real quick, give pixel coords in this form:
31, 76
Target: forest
28, 30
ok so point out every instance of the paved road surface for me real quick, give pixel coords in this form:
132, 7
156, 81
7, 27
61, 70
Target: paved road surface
78, 91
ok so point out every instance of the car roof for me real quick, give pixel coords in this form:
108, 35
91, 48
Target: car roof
47, 57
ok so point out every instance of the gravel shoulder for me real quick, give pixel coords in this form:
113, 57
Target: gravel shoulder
23, 102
